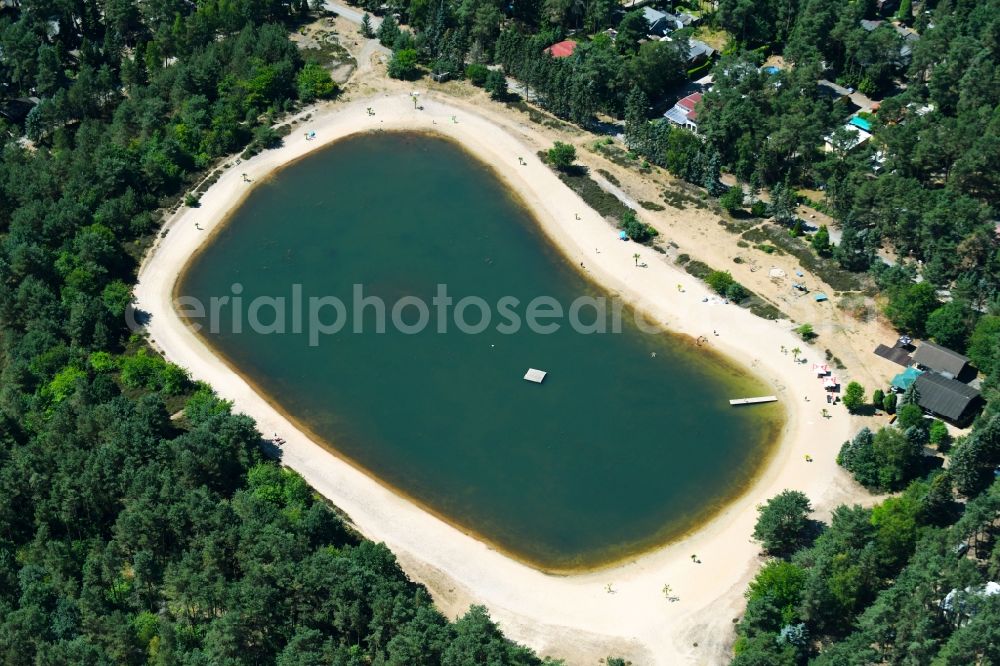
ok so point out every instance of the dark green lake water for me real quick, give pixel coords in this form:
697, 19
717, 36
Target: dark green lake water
615, 452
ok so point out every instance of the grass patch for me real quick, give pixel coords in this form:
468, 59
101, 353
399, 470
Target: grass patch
755, 303
679, 199
605, 203
539, 118
837, 363
610, 177
327, 51
827, 270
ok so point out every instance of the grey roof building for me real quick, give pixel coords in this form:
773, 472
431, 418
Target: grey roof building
940, 359
947, 398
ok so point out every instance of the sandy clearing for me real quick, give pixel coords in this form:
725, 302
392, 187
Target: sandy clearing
569, 616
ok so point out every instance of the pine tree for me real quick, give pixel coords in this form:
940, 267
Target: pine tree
636, 121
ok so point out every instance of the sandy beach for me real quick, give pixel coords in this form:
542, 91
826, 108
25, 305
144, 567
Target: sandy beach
574, 617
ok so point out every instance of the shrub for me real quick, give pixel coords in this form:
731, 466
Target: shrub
806, 332
889, 403
854, 396
562, 155
403, 64
313, 82
938, 433
732, 200
477, 74
720, 281
636, 229
736, 292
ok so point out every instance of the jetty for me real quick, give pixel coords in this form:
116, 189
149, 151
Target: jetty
753, 401
536, 376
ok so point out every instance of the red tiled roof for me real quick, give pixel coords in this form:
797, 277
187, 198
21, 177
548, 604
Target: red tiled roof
562, 49
688, 102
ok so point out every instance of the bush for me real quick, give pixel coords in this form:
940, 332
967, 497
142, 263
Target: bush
477, 74
403, 64
854, 396
562, 155
636, 229
736, 292
720, 281
191, 200
732, 200
806, 332
938, 433
878, 397
910, 416
758, 209
313, 82
889, 403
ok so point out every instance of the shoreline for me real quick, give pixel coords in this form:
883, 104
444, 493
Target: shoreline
773, 429
551, 612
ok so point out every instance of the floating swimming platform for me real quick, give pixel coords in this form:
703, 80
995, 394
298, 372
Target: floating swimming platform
533, 375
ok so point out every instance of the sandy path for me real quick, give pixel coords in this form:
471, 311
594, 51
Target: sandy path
574, 617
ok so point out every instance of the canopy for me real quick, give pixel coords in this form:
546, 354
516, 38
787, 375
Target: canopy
820, 296
905, 379
821, 369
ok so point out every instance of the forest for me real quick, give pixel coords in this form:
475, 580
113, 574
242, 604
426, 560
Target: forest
141, 523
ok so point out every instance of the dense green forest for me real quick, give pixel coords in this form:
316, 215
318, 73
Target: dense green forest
139, 522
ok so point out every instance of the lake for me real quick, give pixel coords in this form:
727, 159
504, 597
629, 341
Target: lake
628, 442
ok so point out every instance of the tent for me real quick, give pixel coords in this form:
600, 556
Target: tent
820, 296
821, 369
905, 379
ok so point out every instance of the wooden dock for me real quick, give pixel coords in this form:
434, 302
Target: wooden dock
753, 401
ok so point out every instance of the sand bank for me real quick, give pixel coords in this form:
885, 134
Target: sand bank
575, 616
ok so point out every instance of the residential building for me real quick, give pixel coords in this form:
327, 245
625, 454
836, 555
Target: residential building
683, 113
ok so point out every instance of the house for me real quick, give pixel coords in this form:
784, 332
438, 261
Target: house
940, 359
830, 89
967, 604
563, 49
947, 398
698, 52
683, 113
856, 137
908, 35
661, 23
687, 20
